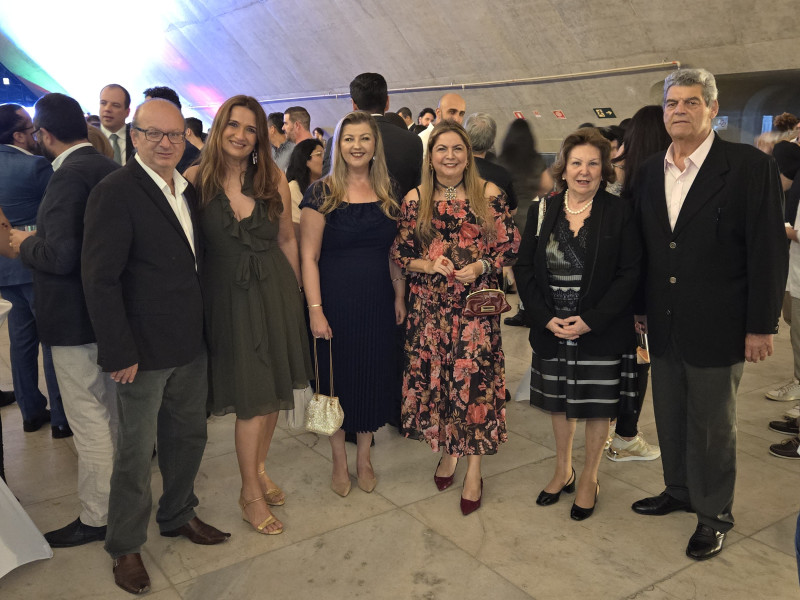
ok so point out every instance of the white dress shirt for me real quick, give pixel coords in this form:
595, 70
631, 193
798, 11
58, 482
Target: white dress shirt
63, 156
176, 201
676, 182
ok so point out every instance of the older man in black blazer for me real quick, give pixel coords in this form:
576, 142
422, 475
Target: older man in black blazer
402, 148
53, 254
716, 266
141, 249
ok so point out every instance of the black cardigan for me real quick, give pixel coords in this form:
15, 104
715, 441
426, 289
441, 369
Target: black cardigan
611, 277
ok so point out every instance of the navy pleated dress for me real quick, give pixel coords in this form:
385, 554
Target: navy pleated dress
358, 301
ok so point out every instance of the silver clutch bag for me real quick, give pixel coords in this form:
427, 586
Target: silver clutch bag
324, 414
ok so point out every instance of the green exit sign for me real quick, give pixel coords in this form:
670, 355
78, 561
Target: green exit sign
604, 113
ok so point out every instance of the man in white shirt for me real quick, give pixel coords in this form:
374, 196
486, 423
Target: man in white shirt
142, 244
711, 217
53, 254
452, 107
115, 106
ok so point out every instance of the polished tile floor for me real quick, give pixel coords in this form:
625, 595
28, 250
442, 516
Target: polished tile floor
406, 540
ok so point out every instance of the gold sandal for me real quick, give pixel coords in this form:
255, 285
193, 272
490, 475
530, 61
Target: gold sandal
261, 528
271, 494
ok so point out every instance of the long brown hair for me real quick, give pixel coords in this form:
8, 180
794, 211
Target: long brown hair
473, 185
213, 169
378, 173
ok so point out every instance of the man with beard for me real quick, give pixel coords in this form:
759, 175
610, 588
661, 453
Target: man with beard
23, 179
53, 253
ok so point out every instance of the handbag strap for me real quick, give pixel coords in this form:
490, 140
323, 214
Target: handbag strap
330, 368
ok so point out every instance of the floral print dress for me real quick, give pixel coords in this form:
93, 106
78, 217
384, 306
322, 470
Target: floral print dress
454, 378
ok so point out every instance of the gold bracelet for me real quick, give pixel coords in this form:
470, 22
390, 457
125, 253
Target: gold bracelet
315, 306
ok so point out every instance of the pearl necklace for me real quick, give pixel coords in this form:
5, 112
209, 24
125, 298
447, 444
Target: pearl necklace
575, 212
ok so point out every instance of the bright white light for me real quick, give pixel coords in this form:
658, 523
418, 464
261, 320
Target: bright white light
6, 81
130, 40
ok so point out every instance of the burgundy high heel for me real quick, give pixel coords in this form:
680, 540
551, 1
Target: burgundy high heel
442, 483
469, 506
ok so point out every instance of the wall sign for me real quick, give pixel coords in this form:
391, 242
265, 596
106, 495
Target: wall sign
518, 114
559, 114
604, 113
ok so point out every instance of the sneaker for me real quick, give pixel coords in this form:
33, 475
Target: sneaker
785, 393
786, 449
785, 426
637, 449
793, 413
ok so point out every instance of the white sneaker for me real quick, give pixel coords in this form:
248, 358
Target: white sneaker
637, 449
785, 393
793, 413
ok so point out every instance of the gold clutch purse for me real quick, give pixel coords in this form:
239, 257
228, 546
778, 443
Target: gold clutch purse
324, 414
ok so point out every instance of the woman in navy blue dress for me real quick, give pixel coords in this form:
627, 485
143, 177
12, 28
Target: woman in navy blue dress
355, 294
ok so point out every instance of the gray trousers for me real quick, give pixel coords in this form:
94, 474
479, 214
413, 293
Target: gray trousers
168, 406
695, 409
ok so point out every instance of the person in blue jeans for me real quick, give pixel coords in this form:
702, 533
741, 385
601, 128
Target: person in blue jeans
23, 179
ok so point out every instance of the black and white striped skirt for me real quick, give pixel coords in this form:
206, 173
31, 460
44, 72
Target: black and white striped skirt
580, 385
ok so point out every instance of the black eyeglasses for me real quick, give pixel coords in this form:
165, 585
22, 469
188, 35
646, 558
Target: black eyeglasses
34, 133
154, 135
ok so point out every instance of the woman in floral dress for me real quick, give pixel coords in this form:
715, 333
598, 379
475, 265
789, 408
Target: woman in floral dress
455, 235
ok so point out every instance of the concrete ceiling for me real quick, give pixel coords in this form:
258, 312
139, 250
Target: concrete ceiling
277, 50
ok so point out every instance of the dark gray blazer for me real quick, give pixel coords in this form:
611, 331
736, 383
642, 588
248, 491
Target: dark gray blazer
722, 272
139, 274
54, 253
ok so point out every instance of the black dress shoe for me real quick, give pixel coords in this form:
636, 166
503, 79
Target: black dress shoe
578, 513
663, 504
546, 498
75, 534
518, 320
7, 398
61, 431
36, 423
705, 543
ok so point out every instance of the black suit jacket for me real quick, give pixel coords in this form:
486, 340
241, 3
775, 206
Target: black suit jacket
722, 272
610, 276
54, 253
142, 287
500, 176
403, 151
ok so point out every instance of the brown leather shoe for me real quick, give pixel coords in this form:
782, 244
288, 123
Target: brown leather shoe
199, 533
130, 574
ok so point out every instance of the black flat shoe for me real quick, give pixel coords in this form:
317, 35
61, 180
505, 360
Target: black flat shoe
705, 543
442, 483
578, 513
36, 423
546, 498
75, 534
663, 504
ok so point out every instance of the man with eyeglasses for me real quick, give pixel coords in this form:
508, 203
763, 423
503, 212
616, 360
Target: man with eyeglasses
23, 179
53, 253
711, 216
141, 250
